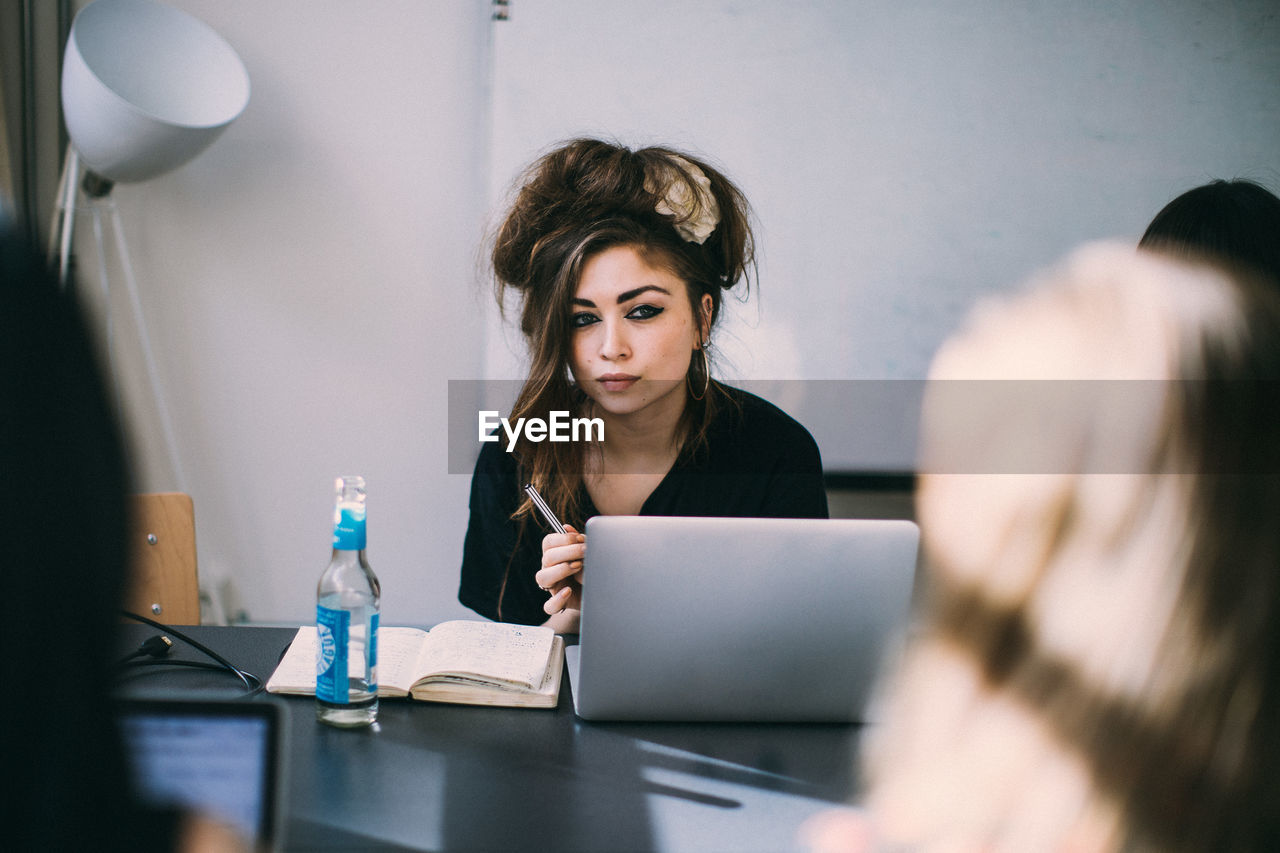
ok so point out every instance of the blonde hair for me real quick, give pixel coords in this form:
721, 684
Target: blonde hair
1099, 502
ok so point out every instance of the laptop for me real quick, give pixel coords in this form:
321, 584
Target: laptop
225, 758
738, 619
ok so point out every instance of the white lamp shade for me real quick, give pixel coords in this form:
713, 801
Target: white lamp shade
146, 87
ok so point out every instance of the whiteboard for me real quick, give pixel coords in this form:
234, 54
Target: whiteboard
903, 159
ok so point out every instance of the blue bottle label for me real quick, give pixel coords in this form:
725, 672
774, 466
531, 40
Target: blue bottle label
349, 528
332, 627
373, 654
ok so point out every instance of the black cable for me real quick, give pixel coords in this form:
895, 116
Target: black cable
252, 684
152, 647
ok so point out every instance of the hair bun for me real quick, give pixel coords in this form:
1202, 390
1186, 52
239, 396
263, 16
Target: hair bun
669, 197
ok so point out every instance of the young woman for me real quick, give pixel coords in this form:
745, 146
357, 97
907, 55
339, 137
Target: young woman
1097, 669
620, 259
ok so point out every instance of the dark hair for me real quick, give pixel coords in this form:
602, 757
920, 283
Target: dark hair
1233, 586
580, 199
1237, 222
67, 478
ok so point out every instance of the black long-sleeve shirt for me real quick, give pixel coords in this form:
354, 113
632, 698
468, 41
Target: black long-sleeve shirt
758, 462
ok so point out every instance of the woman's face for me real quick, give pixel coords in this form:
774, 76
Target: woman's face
634, 332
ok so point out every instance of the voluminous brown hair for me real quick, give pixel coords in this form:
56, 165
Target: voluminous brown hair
580, 199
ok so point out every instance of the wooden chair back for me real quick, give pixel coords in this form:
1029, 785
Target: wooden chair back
165, 586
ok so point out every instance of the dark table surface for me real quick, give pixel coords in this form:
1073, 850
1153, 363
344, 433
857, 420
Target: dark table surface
430, 776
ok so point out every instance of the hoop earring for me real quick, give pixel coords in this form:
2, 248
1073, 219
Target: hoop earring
706, 376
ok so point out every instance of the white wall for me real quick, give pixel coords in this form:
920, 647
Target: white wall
311, 281
309, 288
904, 157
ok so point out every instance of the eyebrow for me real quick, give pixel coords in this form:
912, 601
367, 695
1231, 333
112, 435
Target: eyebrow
625, 296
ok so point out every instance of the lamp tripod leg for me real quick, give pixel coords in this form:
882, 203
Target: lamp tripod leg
64, 214
157, 393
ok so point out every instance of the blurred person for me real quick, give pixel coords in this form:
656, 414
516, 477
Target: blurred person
63, 460
1097, 666
1234, 222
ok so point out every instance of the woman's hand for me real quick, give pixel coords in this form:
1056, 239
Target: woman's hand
561, 572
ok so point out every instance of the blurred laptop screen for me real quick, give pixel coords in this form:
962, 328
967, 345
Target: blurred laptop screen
221, 758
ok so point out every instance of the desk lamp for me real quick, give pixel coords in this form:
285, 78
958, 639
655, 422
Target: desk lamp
145, 87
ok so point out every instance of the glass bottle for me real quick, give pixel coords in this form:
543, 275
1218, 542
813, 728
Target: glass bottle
347, 603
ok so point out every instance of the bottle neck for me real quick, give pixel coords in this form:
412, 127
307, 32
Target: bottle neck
349, 529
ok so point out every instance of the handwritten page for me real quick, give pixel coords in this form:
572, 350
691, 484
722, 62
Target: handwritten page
397, 655
297, 672
398, 650
512, 653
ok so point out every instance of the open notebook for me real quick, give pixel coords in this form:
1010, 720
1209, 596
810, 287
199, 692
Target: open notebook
223, 757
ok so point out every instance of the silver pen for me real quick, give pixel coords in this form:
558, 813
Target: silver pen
544, 509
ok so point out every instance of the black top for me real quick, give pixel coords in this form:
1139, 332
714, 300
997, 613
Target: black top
758, 463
